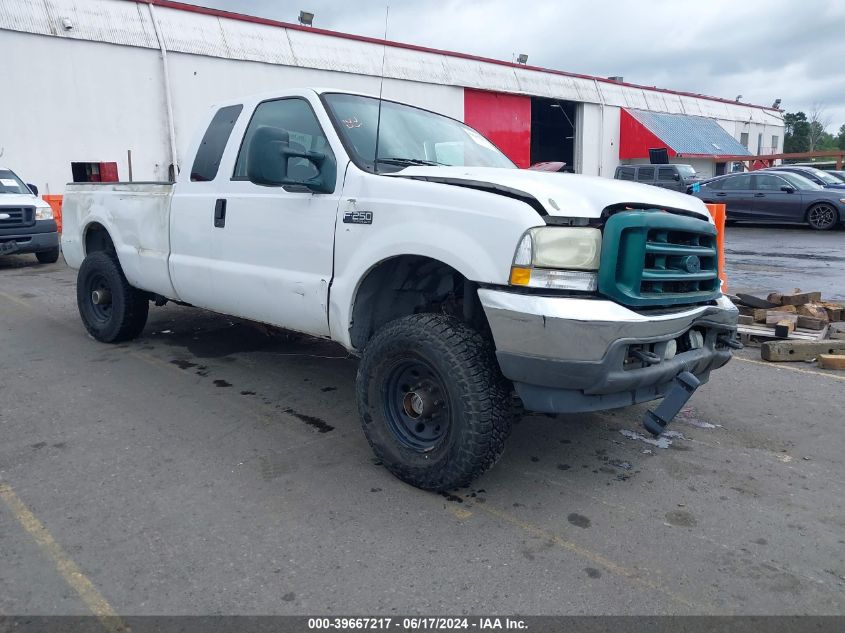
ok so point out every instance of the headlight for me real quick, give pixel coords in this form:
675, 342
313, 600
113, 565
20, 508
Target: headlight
557, 257
43, 213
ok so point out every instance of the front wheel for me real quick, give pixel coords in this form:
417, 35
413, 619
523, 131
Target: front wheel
111, 309
822, 217
433, 403
48, 257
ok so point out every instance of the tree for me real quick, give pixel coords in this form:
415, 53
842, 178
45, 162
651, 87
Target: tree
819, 120
840, 140
797, 133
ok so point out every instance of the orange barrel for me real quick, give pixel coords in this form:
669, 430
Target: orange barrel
718, 212
55, 203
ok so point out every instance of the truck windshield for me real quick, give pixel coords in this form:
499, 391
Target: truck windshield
408, 136
9, 183
686, 171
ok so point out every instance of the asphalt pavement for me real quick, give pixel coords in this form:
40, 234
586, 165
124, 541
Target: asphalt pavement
216, 466
784, 257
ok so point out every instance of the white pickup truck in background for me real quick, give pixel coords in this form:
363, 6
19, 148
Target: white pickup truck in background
456, 277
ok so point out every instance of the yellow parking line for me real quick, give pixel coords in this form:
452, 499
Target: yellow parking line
69, 570
13, 299
594, 557
789, 367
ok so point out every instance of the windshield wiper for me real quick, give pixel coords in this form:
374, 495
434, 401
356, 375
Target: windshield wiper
409, 161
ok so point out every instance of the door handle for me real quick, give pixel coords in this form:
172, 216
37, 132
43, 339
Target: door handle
721, 195
759, 195
220, 213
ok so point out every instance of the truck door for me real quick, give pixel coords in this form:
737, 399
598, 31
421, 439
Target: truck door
192, 209
274, 249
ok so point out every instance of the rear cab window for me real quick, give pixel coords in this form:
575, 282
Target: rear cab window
210, 151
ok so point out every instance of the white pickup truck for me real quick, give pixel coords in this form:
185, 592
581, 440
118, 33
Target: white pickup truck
456, 277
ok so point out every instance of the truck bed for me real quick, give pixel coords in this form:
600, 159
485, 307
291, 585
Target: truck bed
138, 217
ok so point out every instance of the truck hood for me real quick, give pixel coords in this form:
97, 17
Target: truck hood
21, 200
561, 194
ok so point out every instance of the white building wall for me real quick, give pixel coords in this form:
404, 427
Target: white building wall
117, 103
775, 128
66, 103
598, 139
100, 89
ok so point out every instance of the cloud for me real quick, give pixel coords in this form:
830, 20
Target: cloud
760, 49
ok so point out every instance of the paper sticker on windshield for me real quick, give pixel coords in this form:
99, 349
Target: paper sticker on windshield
8, 182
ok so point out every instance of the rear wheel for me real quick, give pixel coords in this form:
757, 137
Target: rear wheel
822, 217
111, 309
433, 403
48, 257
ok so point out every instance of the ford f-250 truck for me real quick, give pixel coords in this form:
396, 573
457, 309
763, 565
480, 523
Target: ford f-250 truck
26, 221
408, 238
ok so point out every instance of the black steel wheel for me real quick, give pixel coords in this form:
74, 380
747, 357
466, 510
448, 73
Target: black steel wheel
110, 308
416, 404
100, 307
433, 403
822, 216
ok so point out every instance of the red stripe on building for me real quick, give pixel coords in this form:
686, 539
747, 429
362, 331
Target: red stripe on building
505, 119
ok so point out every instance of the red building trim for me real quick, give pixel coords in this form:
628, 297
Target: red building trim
505, 119
181, 6
635, 139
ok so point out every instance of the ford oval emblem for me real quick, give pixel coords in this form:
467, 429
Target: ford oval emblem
692, 264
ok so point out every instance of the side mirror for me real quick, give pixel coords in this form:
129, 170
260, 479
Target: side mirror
323, 182
268, 163
677, 176
33, 189
788, 189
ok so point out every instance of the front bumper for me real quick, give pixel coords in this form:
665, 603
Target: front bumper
42, 236
569, 354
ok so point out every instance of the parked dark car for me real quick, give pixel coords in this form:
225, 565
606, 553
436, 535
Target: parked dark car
837, 174
669, 176
818, 176
775, 196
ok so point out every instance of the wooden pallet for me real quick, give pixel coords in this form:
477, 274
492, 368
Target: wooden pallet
799, 334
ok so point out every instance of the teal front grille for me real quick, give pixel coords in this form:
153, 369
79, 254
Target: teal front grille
652, 258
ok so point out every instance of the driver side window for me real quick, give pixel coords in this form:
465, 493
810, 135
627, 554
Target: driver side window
768, 182
283, 125
737, 183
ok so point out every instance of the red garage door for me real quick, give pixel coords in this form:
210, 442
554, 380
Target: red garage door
504, 119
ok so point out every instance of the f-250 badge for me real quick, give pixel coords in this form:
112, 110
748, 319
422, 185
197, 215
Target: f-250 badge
358, 217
